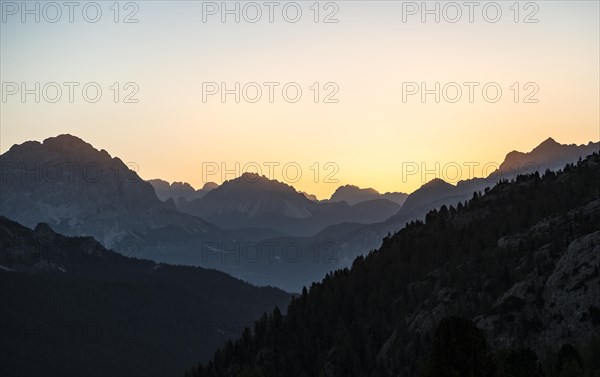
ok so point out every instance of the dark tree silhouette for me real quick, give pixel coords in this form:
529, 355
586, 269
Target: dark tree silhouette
460, 350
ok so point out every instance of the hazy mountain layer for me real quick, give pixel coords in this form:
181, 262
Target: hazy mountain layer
71, 307
179, 190
256, 201
352, 195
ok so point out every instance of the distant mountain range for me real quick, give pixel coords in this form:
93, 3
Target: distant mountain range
348, 193
348, 240
71, 307
549, 155
353, 194
79, 190
253, 201
179, 190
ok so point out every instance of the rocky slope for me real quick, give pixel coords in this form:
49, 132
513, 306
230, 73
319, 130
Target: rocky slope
79, 190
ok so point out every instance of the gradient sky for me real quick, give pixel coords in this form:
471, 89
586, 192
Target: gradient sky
369, 53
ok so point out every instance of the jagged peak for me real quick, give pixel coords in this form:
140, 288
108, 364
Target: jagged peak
548, 143
184, 185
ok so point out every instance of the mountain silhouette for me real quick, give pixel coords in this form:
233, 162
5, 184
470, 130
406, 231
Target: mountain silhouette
91, 310
548, 155
514, 269
349, 240
124, 213
257, 201
353, 194
81, 191
179, 190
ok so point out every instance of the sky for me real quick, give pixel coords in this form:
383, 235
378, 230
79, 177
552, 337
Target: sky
352, 111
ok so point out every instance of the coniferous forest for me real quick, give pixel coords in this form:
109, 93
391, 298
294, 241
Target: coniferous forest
503, 284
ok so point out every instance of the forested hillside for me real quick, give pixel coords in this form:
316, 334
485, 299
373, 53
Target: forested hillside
69, 307
520, 261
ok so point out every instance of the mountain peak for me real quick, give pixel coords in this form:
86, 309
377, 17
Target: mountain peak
67, 140
44, 231
251, 177
436, 182
253, 182
353, 188
210, 186
548, 143
548, 155
352, 194
43, 227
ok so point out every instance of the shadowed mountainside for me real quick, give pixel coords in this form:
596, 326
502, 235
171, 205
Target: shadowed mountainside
521, 261
71, 307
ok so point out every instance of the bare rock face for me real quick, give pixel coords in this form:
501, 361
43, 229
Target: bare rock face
551, 295
557, 307
572, 292
79, 190
560, 308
